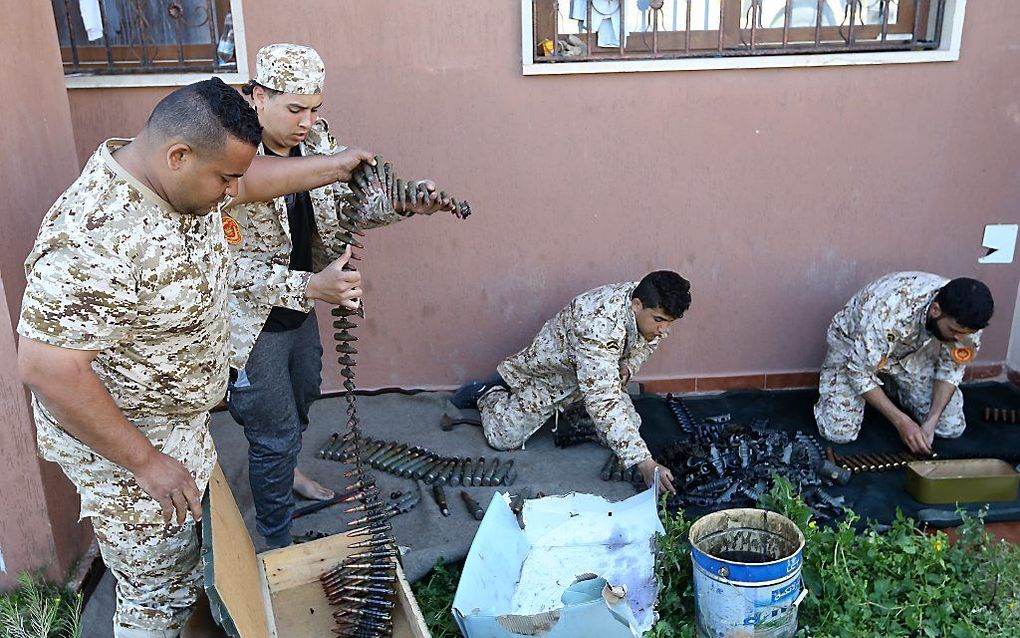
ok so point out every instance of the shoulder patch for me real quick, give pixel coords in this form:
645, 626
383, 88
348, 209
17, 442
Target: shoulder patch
231, 230
963, 355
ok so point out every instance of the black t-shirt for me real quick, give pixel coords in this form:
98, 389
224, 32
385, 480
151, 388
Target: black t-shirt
302, 225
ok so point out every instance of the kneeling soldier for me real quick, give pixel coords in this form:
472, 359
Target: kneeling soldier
915, 329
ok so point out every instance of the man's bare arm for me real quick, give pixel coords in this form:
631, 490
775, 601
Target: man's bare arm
910, 432
63, 380
941, 394
270, 177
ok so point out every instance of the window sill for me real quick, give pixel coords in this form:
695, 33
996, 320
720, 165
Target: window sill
741, 62
147, 79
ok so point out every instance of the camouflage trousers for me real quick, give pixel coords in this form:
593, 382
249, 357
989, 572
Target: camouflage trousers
156, 565
509, 419
840, 410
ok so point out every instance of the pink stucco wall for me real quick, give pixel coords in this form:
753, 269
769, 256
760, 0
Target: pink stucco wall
38, 506
777, 192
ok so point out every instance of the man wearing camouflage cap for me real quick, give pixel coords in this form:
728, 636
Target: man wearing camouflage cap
125, 335
287, 254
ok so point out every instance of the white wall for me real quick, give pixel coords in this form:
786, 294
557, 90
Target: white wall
1013, 357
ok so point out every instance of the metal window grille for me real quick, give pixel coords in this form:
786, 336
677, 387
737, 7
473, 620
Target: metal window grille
590, 30
147, 36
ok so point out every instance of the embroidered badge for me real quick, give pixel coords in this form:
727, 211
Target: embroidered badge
231, 230
963, 355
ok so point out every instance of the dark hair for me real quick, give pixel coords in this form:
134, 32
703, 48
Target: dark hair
666, 290
968, 301
249, 89
204, 113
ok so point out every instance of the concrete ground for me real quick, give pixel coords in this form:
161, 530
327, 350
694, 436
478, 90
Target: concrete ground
405, 418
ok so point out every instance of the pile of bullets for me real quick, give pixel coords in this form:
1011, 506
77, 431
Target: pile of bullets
363, 585
858, 463
574, 427
1002, 415
420, 463
401, 194
613, 470
720, 464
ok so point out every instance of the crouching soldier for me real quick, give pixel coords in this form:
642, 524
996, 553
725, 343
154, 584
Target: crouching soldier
906, 337
588, 352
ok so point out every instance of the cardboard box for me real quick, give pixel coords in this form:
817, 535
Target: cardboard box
582, 566
276, 594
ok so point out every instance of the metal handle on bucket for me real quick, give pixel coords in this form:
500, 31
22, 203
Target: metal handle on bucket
800, 597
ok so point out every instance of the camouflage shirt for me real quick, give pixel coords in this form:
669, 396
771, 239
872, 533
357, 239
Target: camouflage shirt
883, 326
115, 269
261, 245
578, 354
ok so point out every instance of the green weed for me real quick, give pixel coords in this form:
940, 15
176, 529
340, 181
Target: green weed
38, 610
861, 583
434, 594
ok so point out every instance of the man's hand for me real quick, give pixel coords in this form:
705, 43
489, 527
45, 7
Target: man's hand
168, 483
346, 161
913, 436
647, 469
425, 200
335, 285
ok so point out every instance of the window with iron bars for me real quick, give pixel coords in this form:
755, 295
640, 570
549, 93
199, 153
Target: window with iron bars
567, 31
115, 37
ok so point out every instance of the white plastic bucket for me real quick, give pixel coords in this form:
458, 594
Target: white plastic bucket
747, 566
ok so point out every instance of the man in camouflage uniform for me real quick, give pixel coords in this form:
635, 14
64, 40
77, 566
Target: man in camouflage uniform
125, 332
284, 249
588, 352
916, 330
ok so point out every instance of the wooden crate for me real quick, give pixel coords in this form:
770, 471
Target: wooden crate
276, 594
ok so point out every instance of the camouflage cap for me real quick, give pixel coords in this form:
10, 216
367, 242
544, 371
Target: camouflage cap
290, 68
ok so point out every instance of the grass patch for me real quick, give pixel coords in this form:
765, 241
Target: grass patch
39, 610
861, 583
434, 594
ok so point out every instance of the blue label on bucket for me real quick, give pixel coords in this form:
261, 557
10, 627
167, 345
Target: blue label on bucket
762, 611
786, 592
747, 572
793, 564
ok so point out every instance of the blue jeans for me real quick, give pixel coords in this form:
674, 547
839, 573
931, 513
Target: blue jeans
271, 398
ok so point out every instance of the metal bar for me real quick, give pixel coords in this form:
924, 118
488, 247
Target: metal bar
850, 29
106, 38
818, 23
885, 5
623, 27
70, 35
754, 23
214, 38
555, 28
535, 53
939, 18
786, 23
178, 25
917, 21
655, 31
722, 20
587, 25
687, 28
